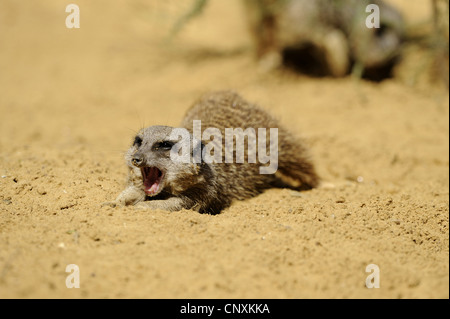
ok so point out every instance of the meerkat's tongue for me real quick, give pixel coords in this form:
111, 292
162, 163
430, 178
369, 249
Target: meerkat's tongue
152, 179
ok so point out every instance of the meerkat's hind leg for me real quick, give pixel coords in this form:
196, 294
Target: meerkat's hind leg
297, 175
294, 165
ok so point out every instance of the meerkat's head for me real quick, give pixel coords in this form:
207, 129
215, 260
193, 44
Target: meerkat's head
149, 156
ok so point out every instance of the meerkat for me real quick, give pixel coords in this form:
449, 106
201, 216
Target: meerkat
335, 30
334, 34
156, 181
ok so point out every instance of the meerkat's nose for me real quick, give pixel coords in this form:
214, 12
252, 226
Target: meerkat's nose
137, 160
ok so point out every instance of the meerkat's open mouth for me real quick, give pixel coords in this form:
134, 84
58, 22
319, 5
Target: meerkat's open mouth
152, 178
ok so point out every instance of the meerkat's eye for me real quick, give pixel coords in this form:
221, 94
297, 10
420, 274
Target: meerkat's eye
137, 141
164, 146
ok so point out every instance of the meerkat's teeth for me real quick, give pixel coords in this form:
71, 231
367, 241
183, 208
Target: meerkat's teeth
152, 177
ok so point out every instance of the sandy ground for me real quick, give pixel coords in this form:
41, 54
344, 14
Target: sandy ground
71, 101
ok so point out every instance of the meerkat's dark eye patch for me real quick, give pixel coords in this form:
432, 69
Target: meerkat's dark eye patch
163, 146
137, 141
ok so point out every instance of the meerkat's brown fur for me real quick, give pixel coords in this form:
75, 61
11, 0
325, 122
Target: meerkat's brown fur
211, 187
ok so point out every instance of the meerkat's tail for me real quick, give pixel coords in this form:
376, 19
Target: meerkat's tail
295, 168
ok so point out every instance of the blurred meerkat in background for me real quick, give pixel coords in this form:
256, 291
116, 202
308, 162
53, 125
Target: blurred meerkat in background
320, 37
332, 32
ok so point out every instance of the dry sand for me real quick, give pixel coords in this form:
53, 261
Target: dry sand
71, 100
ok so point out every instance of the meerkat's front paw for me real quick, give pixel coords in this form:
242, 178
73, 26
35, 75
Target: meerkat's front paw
171, 204
130, 196
149, 205
141, 206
